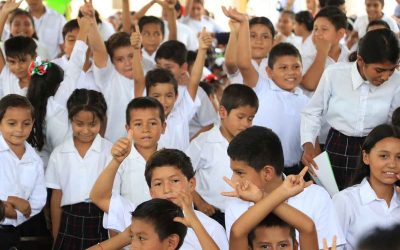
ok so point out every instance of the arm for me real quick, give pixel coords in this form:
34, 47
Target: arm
16, 203
119, 241
188, 7
139, 14
171, 18
202, 205
231, 48
126, 17
55, 211
138, 74
9, 211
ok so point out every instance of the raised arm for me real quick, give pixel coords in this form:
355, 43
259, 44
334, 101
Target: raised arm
140, 13
138, 73
126, 17
231, 48
188, 7
171, 18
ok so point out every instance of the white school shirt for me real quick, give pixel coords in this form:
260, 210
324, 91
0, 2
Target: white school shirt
360, 211
23, 178
280, 111
294, 40
73, 174
176, 134
151, 58
210, 160
119, 218
314, 201
361, 23
49, 31
185, 35
197, 26
351, 105
106, 30
9, 83
261, 69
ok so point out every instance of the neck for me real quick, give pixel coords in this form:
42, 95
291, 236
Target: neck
146, 152
37, 10
196, 18
334, 52
273, 184
305, 36
382, 191
258, 60
24, 82
225, 133
82, 147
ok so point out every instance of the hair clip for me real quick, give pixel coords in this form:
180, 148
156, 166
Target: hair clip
39, 67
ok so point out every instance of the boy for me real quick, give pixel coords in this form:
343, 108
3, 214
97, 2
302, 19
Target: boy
238, 107
341, 4
256, 156
152, 31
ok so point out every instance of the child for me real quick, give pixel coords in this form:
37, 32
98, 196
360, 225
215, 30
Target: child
22, 183
238, 107
303, 27
152, 31
285, 27
374, 196
256, 156
72, 170
367, 89
381, 239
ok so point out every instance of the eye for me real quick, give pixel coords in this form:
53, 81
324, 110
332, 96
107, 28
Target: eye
175, 180
283, 245
141, 238
11, 123
156, 184
27, 124
383, 156
137, 124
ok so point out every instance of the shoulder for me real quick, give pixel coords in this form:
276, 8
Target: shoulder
347, 195
33, 154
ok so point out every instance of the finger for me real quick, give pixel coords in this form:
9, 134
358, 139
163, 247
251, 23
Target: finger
229, 182
137, 29
181, 220
303, 172
334, 243
224, 10
204, 32
230, 194
312, 171
308, 183
325, 244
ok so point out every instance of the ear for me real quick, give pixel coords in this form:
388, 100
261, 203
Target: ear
340, 33
365, 157
268, 173
269, 72
172, 242
192, 184
127, 127
222, 112
164, 127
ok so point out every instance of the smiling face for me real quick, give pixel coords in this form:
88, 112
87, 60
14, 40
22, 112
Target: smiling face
376, 73
165, 94
374, 9
123, 61
286, 72
151, 37
325, 30
260, 41
22, 26
19, 66
85, 126
16, 126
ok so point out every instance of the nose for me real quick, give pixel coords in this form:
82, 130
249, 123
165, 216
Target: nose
146, 127
386, 75
166, 188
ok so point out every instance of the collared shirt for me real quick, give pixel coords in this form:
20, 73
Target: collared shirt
361, 23
280, 111
151, 58
360, 210
23, 178
351, 105
314, 201
294, 40
185, 35
210, 160
9, 83
261, 69
197, 26
73, 174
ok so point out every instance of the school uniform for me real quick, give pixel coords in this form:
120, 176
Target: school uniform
197, 25
151, 58
360, 211
261, 69
119, 218
294, 40
352, 107
314, 201
106, 30
9, 83
185, 35
81, 220
23, 178
361, 24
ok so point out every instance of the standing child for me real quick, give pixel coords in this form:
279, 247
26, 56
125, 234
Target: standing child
286, 27
22, 183
73, 168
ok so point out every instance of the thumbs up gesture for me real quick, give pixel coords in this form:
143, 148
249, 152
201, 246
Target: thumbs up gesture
122, 147
205, 39
136, 39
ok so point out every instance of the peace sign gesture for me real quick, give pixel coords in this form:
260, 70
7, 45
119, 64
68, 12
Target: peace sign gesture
244, 190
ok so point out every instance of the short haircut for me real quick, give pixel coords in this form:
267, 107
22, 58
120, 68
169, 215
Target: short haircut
335, 3
87, 100
19, 47
263, 21
334, 15
381, 239
306, 18
15, 101
258, 147
282, 49
396, 117
160, 76
289, 13
117, 40
271, 221
20, 12
169, 157
238, 95
70, 26
144, 103
161, 213
378, 22
151, 20
172, 50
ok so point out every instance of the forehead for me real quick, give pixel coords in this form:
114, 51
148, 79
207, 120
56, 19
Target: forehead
237, 164
323, 21
165, 172
22, 18
373, 2
25, 58
85, 115
73, 32
144, 113
22, 113
388, 144
162, 62
161, 88
249, 110
142, 226
273, 234
260, 28
123, 51
151, 27
287, 59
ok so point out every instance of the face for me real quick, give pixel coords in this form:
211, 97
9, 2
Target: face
177, 70
242, 171
85, 126
197, 11
273, 238
146, 126
151, 37
69, 41
34, 2
298, 29
168, 180
285, 24
238, 119
325, 30
123, 61
22, 26
19, 67
260, 41
374, 9
144, 237
165, 94
376, 73
384, 161
286, 72
311, 4
16, 126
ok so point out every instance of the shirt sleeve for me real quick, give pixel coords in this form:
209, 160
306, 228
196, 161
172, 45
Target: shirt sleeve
340, 201
52, 177
205, 114
187, 107
194, 152
119, 213
102, 76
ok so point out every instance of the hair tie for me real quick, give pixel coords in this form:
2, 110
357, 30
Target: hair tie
39, 67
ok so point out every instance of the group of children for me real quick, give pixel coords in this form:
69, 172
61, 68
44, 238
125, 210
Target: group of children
115, 145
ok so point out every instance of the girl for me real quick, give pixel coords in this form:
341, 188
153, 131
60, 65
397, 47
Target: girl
354, 98
73, 168
303, 27
374, 194
285, 28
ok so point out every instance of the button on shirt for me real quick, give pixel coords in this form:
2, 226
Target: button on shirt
359, 211
352, 105
23, 178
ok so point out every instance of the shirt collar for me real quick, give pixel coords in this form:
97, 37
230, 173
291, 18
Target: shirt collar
27, 157
356, 78
69, 146
3, 144
368, 195
275, 87
215, 135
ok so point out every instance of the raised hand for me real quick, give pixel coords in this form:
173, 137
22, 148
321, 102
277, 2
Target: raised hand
21, 205
205, 39
185, 201
232, 13
10, 6
244, 190
85, 23
87, 9
136, 38
122, 147
234, 25
165, 5
294, 184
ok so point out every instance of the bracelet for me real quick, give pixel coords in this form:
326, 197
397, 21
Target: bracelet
100, 246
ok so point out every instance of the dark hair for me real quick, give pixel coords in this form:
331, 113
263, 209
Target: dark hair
335, 3
334, 16
161, 213
172, 50
87, 100
378, 22
15, 101
19, 12
271, 221
117, 40
385, 40
263, 21
381, 239
151, 20
41, 87
322, 3
2, 211
258, 147
396, 117
379, 133
382, 2
289, 13
160, 76
282, 49
70, 26
238, 95
19, 47
169, 157
144, 103
306, 18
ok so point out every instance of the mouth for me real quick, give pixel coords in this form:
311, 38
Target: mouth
291, 79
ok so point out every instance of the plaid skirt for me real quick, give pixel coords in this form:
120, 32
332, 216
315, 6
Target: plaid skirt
81, 227
344, 153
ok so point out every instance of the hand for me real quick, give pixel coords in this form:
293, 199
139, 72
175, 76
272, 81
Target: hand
232, 13
205, 39
294, 184
21, 205
85, 23
308, 156
122, 147
136, 38
87, 9
10, 6
205, 207
165, 5
244, 190
325, 244
185, 201
321, 44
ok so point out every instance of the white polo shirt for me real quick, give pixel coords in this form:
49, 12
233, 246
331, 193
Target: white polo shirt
9, 83
261, 69
23, 178
314, 201
185, 35
360, 211
361, 23
197, 26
